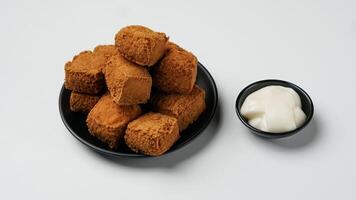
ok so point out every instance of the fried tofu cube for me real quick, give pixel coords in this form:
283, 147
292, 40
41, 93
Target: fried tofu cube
185, 107
176, 72
141, 45
127, 82
84, 73
107, 121
106, 50
80, 102
152, 134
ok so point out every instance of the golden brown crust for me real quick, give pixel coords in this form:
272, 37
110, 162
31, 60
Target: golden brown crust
106, 50
127, 82
185, 107
107, 121
83, 74
152, 134
176, 72
80, 102
141, 45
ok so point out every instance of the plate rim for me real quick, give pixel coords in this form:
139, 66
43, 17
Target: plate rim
138, 155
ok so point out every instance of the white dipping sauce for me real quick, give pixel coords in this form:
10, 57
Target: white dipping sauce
274, 109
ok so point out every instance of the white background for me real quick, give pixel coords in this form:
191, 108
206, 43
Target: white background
310, 43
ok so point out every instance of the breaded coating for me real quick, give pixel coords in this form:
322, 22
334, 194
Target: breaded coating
83, 74
141, 45
80, 102
127, 82
185, 107
152, 134
106, 50
176, 72
107, 121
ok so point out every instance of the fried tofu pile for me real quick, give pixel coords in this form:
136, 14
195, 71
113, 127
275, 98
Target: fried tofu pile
112, 82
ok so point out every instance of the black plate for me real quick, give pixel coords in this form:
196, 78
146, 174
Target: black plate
307, 106
75, 122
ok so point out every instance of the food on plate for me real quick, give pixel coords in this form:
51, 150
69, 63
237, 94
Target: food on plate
80, 102
83, 74
107, 121
141, 45
176, 72
152, 134
274, 109
110, 82
127, 82
185, 107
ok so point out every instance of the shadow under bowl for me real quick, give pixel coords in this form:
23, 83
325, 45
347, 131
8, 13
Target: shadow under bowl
307, 106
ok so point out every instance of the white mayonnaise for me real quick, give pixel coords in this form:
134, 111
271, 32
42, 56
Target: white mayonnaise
273, 109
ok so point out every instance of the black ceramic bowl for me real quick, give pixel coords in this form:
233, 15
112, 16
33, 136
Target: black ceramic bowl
307, 106
75, 122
